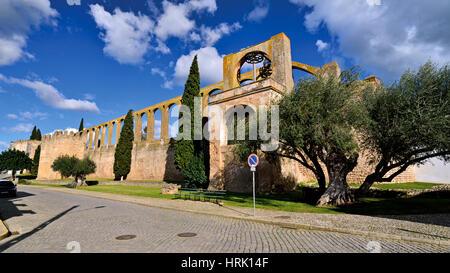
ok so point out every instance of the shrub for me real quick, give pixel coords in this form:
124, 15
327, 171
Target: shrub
71, 166
194, 173
64, 165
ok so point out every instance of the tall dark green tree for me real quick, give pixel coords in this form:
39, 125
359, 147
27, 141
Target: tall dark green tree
186, 149
81, 128
38, 135
33, 134
122, 157
36, 158
15, 160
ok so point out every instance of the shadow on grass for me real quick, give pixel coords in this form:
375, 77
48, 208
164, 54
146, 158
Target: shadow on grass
304, 200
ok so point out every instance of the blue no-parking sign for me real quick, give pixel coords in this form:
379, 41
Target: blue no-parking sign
253, 160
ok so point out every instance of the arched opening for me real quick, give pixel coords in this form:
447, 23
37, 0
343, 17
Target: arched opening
173, 120
113, 134
298, 74
94, 140
88, 133
144, 124
105, 140
245, 82
157, 124
213, 92
254, 66
99, 137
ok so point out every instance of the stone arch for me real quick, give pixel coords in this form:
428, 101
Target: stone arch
173, 115
143, 128
259, 65
112, 138
157, 125
305, 68
213, 92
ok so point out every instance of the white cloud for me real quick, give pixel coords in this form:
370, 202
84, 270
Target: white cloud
381, 37
28, 115
152, 7
89, 96
21, 127
52, 96
259, 12
12, 116
161, 47
175, 22
126, 35
210, 65
212, 35
157, 71
321, 45
17, 18
73, 2
209, 5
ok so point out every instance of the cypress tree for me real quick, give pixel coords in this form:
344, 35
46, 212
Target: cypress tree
38, 135
33, 134
185, 149
188, 152
122, 156
37, 156
81, 128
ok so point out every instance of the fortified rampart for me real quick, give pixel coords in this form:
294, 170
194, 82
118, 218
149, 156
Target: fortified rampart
152, 159
27, 146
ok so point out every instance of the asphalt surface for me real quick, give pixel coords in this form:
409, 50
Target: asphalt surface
49, 221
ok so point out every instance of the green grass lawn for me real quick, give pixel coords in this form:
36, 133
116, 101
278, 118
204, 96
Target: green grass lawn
389, 186
292, 201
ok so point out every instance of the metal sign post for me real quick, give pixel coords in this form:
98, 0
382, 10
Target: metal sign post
253, 161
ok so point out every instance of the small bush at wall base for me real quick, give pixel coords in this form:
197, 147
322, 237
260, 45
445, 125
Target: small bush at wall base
194, 173
26, 176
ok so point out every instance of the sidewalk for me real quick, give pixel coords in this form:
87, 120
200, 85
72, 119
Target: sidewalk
3, 230
432, 228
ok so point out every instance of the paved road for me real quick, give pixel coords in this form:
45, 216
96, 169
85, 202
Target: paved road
48, 221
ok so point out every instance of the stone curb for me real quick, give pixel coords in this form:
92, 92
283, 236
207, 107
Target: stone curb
110, 196
4, 232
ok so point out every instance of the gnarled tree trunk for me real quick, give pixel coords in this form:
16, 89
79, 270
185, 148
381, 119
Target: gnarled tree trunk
337, 193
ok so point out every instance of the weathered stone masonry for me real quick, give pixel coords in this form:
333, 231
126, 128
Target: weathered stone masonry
153, 159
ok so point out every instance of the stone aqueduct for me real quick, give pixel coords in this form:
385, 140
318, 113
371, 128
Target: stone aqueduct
153, 159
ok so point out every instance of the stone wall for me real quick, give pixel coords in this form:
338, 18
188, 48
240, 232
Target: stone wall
27, 146
284, 174
150, 161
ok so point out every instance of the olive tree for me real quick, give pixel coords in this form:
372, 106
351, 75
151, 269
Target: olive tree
71, 166
409, 123
319, 122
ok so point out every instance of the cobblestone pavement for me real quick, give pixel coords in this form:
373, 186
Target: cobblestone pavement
428, 227
48, 220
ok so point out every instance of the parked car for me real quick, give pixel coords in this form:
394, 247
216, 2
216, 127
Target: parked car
8, 187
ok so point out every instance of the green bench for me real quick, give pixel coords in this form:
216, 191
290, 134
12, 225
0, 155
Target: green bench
200, 195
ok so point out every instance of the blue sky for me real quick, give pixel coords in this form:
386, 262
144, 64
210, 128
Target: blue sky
67, 59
